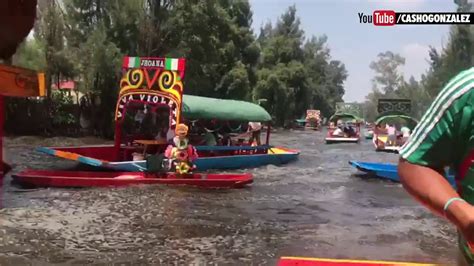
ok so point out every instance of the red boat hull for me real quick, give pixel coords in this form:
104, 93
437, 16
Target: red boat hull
46, 178
297, 261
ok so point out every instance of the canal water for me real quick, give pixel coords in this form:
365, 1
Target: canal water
314, 207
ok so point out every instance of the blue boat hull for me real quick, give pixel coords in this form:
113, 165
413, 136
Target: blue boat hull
243, 161
274, 155
386, 171
218, 163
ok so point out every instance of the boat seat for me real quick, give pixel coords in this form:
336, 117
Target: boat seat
154, 163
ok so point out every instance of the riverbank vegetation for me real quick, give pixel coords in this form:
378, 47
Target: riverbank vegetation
456, 55
85, 41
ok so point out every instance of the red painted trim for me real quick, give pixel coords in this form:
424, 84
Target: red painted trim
48, 178
2, 121
465, 165
2, 168
335, 262
463, 169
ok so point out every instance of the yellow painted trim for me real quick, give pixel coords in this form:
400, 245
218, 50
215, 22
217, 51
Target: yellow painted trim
41, 84
277, 151
358, 261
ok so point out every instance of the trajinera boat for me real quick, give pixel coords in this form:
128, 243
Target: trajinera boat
162, 92
344, 127
312, 120
301, 261
77, 179
403, 125
368, 131
388, 171
155, 83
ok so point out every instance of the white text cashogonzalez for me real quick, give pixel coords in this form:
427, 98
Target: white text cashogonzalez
434, 18
391, 18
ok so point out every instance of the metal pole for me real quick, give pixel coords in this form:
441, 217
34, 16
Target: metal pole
2, 121
118, 139
269, 126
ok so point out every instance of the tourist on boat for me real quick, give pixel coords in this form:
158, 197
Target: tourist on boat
391, 135
349, 130
209, 139
139, 116
162, 134
226, 140
379, 129
444, 138
405, 134
255, 129
338, 132
181, 153
170, 134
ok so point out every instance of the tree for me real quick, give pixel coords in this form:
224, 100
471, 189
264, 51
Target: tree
456, 56
282, 74
420, 98
296, 74
31, 55
387, 73
50, 35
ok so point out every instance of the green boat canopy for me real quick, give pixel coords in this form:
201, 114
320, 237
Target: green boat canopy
406, 120
197, 107
344, 117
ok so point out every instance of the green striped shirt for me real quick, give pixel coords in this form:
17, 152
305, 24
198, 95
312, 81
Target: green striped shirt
445, 136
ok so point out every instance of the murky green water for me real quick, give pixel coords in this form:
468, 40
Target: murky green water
313, 207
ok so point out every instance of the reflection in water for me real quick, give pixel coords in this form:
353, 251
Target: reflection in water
313, 207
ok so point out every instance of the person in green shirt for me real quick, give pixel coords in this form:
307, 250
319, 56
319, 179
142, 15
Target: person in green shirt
445, 138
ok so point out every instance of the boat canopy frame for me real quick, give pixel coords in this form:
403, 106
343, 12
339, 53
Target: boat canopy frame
337, 116
397, 115
198, 107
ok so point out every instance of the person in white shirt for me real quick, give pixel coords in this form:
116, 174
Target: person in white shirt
255, 128
405, 134
392, 136
139, 116
338, 132
170, 135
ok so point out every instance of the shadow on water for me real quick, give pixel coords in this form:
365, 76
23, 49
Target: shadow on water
316, 206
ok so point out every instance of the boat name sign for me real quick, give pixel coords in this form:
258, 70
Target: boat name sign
151, 99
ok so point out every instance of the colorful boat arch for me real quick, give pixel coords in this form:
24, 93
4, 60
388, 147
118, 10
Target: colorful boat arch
152, 80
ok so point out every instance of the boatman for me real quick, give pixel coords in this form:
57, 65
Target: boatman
445, 137
255, 129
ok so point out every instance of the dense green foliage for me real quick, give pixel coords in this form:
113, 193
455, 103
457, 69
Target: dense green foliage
86, 39
389, 82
